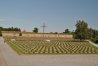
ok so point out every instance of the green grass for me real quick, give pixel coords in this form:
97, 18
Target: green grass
35, 45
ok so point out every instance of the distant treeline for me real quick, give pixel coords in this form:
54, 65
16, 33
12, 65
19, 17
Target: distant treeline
10, 29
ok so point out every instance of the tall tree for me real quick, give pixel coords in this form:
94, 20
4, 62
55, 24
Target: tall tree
81, 31
35, 30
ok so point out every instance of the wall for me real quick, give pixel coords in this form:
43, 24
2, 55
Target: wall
37, 35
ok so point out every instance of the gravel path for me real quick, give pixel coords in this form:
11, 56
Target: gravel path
2, 60
12, 59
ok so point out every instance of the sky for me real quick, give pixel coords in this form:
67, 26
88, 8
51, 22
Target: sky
58, 15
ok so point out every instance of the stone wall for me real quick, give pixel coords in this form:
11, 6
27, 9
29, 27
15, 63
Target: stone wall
48, 35
38, 35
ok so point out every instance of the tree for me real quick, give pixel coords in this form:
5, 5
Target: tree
93, 35
10, 29
35, 30
66, 31
81, 31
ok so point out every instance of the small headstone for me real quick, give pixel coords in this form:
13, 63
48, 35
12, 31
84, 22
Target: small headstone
13, 40
48, 40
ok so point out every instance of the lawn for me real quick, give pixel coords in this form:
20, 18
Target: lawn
40, 45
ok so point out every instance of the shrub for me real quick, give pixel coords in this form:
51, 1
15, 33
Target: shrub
0, 33
96, 39
20, 34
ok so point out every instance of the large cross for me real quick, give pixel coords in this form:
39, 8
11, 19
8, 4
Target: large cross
43, 26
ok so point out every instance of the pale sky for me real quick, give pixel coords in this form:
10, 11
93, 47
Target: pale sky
57, 14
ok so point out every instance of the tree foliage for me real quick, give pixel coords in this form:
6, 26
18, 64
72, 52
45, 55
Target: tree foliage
93, 35
10, 29
81, 31
35, 30
66, 31
96, 39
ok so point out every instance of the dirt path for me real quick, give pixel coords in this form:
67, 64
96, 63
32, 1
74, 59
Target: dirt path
12, 59
2, 60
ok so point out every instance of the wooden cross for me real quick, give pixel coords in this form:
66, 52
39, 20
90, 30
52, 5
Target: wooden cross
43, 26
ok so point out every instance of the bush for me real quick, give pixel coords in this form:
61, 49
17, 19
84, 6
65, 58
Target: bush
20, 34
93, 40
0, 33
96, 39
